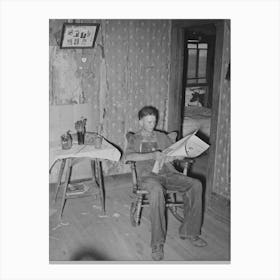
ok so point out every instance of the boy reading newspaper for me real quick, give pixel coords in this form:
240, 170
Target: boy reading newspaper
145, 147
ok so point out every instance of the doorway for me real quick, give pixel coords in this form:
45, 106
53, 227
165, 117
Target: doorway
219, 90
198, 72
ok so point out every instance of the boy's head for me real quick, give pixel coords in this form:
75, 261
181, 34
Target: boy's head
148, 117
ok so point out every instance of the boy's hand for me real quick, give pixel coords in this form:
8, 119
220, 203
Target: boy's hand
171, 158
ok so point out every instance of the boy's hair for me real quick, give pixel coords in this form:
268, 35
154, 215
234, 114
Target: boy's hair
148, 110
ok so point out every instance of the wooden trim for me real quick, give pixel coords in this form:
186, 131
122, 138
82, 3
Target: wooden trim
210, 74
215, 110
176, 98
220, 207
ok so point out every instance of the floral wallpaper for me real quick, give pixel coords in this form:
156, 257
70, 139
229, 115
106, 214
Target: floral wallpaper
137, 68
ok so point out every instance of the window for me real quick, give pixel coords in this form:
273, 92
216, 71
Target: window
197, 62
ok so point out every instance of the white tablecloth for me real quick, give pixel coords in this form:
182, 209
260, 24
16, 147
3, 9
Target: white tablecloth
107, 151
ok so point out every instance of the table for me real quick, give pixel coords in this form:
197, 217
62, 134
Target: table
77, 152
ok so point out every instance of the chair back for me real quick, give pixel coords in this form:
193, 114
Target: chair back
173, 136
131, 163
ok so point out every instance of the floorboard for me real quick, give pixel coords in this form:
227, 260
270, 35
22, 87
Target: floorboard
85, 234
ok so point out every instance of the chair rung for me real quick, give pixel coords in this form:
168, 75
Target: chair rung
169, 204
145, 204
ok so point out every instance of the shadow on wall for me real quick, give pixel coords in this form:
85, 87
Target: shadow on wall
89, 255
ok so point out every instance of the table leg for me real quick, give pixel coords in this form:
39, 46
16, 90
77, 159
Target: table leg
93, 171
61, 169
98, 176
50, 169
67, 180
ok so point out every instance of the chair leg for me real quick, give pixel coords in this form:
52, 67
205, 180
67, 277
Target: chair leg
61, 169
67, 179
93, 171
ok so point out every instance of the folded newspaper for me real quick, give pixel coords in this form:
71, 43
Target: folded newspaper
190, 146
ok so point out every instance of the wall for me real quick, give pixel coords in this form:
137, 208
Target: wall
128, 68
219, 171
222, 179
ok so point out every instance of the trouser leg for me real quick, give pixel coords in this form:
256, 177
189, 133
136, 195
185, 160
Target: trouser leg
191, 225
157, 209
192, 197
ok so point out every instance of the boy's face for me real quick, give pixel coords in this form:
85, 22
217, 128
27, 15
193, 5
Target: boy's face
148, 123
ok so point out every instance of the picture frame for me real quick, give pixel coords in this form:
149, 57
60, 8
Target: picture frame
79, 35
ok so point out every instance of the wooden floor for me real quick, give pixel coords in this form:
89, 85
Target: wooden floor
86, 235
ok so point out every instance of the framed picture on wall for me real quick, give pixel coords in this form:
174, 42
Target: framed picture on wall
79, 35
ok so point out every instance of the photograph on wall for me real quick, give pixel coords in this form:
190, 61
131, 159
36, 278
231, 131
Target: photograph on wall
83, 35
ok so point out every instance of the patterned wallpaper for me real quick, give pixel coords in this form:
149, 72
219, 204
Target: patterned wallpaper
127, 69
222, 178
137, 69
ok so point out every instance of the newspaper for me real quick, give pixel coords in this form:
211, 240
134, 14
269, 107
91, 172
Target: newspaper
190, 146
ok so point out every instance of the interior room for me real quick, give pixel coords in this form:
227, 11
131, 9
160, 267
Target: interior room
181, 67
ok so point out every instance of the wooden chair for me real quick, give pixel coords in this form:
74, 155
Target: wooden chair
139, 196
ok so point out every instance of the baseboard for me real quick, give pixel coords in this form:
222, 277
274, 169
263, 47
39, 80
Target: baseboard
219, 207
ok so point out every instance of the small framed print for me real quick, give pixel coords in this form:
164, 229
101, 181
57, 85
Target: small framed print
79, 35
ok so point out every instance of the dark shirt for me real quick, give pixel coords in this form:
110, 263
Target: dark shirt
139, 143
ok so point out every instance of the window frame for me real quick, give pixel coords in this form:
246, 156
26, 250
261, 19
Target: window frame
196, 42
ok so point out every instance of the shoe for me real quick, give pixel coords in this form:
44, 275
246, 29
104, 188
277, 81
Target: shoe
157, 252
195, 241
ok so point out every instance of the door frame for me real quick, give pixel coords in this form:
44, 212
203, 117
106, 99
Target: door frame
176, 98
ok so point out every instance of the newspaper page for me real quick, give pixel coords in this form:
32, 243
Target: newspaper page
190, 146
